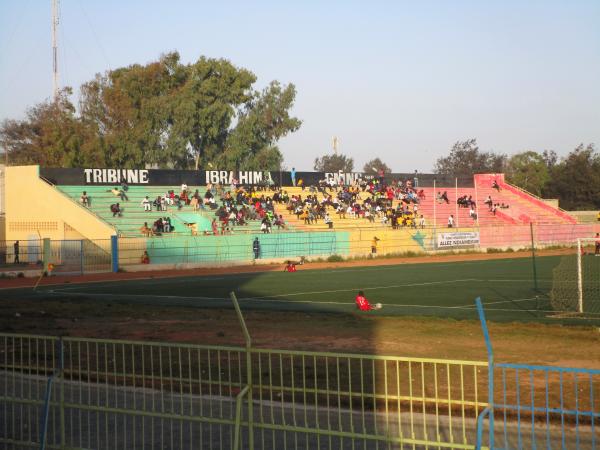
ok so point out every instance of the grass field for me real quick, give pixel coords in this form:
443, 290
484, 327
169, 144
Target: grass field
428, 310
444, 289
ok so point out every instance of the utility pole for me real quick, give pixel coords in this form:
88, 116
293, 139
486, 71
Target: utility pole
55, 19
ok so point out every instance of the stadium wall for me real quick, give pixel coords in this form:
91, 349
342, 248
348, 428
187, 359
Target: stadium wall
35, 210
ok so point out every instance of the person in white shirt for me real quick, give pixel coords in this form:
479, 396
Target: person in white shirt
451, 221
146, 204
422, 221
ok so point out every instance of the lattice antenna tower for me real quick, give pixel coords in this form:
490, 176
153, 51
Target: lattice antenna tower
55, 21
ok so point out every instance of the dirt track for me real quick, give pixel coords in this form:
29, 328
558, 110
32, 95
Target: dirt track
108, 276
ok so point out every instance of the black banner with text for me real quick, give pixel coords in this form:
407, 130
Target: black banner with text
167, 177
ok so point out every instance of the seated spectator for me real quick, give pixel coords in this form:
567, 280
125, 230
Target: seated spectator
145, 258
214, 227
421, 194
146, 204
115, 209
167, 225
496, 186
445, 197
145, 230
439, 197
328, 220
280, 222
598, 217
265, 226
119, 193
489, 202
159, 226
451, 221
85, 200
472, 213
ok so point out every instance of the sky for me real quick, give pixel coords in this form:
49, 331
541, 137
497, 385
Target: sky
399, 80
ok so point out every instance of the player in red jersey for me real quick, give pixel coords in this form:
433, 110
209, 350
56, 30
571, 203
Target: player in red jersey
362, 303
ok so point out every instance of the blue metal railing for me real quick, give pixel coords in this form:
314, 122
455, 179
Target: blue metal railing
541, 406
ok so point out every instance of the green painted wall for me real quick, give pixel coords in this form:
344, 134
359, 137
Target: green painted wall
195, 249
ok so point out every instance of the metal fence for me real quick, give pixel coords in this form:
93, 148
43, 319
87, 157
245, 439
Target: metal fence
85, 256
68, 393
534, 406
106, 394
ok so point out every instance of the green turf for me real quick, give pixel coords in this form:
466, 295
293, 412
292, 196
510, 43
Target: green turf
445, 289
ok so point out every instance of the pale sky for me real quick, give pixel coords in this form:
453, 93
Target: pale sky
396, 79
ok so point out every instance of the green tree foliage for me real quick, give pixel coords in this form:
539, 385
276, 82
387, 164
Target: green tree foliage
528, 170
375, 165
264, 120
334, 163
50, 135
465, 159
575, 180
162, 114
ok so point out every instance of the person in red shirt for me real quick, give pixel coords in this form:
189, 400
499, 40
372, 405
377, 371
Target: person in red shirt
362, 303
290, 267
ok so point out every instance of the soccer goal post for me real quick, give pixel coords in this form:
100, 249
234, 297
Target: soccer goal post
576, 279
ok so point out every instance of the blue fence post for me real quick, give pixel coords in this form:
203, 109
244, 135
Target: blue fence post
490, 352
45, 413
114, 252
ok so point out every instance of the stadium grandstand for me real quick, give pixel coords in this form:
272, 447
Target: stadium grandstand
196, 217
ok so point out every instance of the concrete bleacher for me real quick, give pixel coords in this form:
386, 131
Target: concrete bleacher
134, 216
440, 211
524, 207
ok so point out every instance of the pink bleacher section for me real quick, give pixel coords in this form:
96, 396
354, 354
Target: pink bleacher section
524, 208
443, 210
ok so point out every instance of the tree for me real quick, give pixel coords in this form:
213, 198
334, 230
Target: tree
375, 165
50, 135
162, 114
465, 159
264, 121
334, 163
528, 170
575, 181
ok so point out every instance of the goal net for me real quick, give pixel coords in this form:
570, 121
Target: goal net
576, 280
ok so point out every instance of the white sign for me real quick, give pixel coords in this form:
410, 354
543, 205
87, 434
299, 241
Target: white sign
347, 178
445, 240
242, 177
116, 176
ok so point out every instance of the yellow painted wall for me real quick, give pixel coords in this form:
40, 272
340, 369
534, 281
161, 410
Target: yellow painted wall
396, 241
35, 208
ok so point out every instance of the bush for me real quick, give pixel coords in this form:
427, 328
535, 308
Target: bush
335, 258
